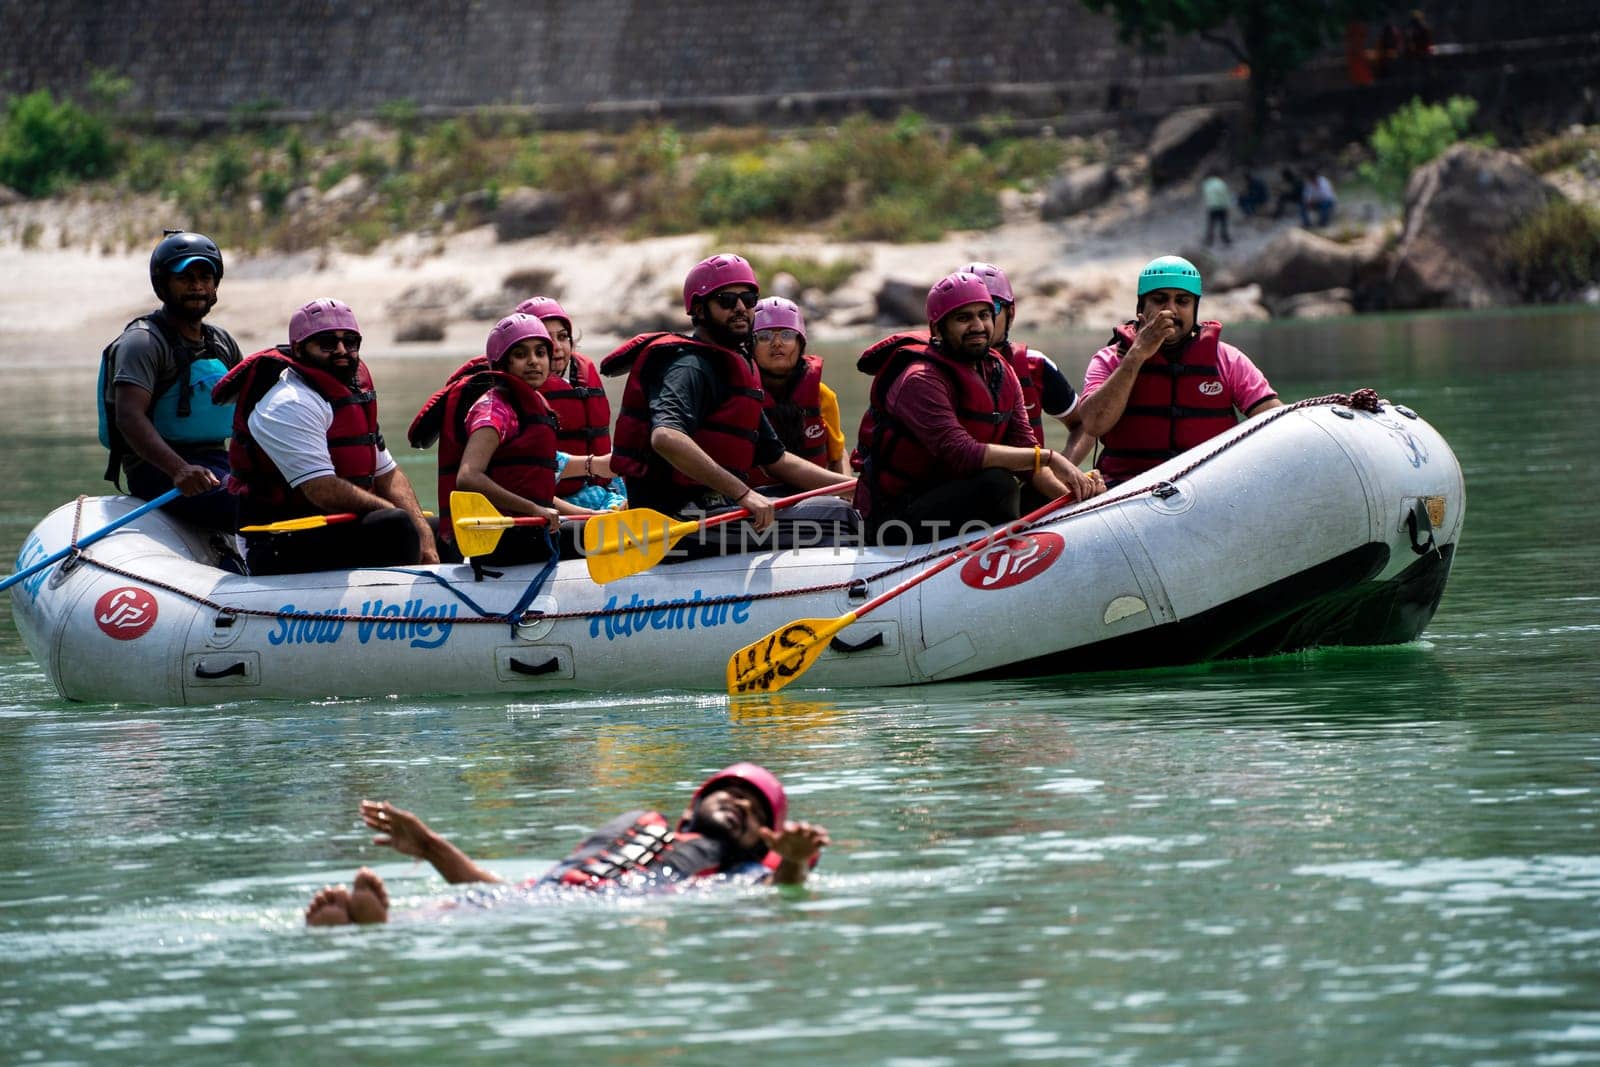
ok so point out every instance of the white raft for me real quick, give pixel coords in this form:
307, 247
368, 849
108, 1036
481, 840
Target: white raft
1314, 525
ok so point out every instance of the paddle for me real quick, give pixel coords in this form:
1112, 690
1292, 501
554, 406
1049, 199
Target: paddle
621, 543
479, 524
789, 651
86, 541
306, 522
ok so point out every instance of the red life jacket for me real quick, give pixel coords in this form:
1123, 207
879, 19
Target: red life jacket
579, 401
647, 851
525, 464
1174, 405
896, 466
1029, 368
353, 437
728, 434
798, 416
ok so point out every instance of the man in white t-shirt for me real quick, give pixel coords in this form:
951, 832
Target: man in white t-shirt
306, 442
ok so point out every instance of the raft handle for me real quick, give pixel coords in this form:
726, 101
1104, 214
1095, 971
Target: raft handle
548, 666
1343, 413
224, 620
237, 668
839, 644
1407, 412
857, 589
1164, 491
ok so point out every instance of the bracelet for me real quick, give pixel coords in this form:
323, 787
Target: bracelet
1036, 459
747, 491
588, 466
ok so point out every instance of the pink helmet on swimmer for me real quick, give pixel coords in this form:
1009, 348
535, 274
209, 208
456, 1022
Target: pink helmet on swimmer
778, 313
319, 315
993, 277
716, 272
544, 307
509, 331
953, 291
756, 777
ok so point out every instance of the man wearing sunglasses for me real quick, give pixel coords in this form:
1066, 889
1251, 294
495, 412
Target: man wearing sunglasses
691, 436
306, 442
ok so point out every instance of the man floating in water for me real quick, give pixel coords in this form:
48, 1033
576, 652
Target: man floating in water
735, 827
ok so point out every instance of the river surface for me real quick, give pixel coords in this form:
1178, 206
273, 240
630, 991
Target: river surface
1377, 856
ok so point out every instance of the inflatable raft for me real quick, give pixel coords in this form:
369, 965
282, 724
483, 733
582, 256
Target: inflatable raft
1317, 524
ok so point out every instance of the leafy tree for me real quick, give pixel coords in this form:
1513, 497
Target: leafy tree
1271, 37
1415, 134
42, 141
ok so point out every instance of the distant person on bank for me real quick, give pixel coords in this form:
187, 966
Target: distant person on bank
803, 410
156, 412
1166, 382
736, 828
306, 442
946, 435
1218, 198
692, 438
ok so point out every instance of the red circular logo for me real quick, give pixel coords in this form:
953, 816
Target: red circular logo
126, 613
1012, 561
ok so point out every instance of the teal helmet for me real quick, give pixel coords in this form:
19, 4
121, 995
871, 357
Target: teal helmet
1169, 272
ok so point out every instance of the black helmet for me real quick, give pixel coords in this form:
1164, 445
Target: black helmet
177, 250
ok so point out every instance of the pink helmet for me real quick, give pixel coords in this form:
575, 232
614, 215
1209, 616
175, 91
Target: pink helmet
319, 315
544, 307
508, 331
993, 277
953, 291
778, 313
717, 272
758, 778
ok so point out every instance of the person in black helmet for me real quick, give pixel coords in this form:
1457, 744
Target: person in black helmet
156, 412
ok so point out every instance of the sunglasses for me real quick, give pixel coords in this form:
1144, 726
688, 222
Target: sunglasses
768, 336
327, 341
726, 300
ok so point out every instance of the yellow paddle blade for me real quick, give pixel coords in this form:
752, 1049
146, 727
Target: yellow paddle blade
626, 542
474, 535
306, 522
783, 655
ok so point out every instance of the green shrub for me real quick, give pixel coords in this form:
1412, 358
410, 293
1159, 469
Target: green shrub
1562, 151
274, 187
227, 172
334, 173
1555, 254
1415, 134
810, 273
43, 142
149, 166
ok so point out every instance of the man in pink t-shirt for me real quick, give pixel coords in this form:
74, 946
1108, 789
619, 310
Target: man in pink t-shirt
1166, 382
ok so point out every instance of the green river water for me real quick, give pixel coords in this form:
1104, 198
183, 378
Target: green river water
1377, 856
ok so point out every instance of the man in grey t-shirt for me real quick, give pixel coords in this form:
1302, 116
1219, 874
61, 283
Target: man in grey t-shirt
157, 416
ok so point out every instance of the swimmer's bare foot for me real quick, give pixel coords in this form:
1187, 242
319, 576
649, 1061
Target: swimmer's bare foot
369, 899
330, 907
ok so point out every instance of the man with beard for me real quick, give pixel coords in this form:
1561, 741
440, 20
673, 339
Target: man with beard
1166, 382
946, 434
735, 828
306, 442
691, 436
156, 412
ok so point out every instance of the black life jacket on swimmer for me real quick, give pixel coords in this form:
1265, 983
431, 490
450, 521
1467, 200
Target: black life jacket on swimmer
728, 434
1178, 401
795, 410
524, 463
579, 400
647, 852
353, 437
895, 465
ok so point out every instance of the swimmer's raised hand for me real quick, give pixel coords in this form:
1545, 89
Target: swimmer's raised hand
397, 828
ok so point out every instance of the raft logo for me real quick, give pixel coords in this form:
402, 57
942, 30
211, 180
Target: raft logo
813, 431
416, 622
125, 614
637, 616
32, 552
1211, 388
1012, 561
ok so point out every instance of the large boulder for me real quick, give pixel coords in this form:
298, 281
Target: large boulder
1297, 261
1079, 189
1326, 304
1182, 141
1458, 209
902, 302
525, 212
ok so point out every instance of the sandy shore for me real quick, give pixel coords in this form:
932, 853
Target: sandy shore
65, 303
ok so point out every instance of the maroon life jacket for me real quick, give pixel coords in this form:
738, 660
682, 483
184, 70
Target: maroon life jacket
895, 465
1031, 377
648, 851
1174, 405
797, 416
728, 434
579, 401
525, 463
353, 437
